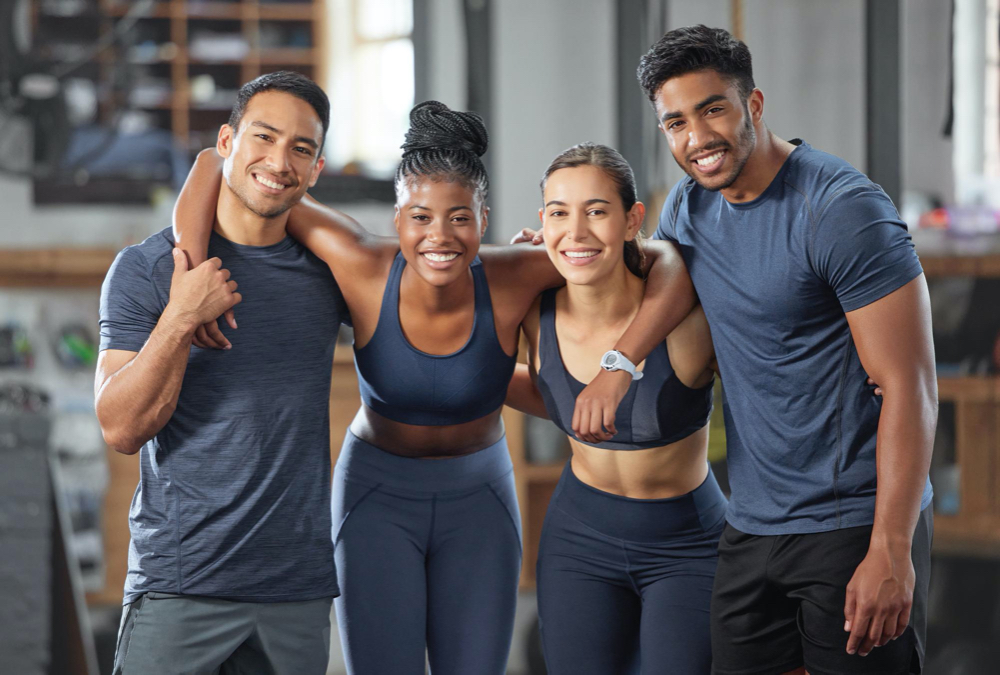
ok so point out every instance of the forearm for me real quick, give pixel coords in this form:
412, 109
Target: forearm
903, 457
136, 402
668, 299
194, 212
523, 395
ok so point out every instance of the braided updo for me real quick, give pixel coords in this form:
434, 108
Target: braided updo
445, 144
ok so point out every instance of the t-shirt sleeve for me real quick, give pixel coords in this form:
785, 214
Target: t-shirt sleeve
129, 307
862, 248
668, 214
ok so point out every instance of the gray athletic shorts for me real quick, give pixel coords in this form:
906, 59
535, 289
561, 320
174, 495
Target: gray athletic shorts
166, 634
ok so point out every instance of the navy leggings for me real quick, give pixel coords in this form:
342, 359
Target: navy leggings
428, 557
624, 585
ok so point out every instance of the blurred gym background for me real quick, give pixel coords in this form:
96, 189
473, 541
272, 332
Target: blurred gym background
103, 104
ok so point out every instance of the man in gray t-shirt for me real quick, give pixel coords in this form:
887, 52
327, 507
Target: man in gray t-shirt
230, 560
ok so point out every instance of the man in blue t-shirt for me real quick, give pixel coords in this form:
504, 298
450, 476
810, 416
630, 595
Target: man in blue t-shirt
809, 281
231, 562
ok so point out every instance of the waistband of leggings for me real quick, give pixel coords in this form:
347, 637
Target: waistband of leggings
646, 520
361, 460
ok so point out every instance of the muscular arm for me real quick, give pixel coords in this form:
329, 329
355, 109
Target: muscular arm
893, 339
194, 212
668, 299
137, 392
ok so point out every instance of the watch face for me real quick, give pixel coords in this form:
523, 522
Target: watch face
610, 360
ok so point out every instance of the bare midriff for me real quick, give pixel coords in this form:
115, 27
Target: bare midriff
654, 473
427, 442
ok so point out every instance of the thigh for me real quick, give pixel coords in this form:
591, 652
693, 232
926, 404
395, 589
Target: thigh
753, 623
382, 607
821, 565
163, 634
589, 611
290, 638
675, 637
473, 568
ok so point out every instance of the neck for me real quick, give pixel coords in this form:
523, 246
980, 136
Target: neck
435, 299
610, 301
235, 222
766, 159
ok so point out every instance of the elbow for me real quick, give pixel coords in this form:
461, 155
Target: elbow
119, 442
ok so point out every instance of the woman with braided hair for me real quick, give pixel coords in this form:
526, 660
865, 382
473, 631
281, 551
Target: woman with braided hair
426, 523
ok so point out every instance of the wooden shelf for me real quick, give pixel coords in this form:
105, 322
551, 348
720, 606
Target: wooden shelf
240, 19
287, 57
302, 11
78, 268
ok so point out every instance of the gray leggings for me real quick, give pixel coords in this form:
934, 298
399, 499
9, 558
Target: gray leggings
428, 557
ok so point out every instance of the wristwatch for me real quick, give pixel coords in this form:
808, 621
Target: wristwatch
615, 360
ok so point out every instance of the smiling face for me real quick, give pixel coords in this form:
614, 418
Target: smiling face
273, 158
709, 128
440, 225
586, 225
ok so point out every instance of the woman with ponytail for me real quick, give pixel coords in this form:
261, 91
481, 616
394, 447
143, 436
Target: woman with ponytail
425, 520
629, 546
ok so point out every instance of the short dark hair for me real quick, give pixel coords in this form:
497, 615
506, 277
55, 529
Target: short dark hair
445, 144
617, 168
693, 48
286, 81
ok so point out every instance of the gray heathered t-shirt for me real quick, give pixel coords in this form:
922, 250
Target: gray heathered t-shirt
776, 276
234, 492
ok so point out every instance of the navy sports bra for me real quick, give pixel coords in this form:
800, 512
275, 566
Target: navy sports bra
400, 382
657, 410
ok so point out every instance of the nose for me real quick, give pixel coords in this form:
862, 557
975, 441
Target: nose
440, 231
277, 159
700, 134
578, 227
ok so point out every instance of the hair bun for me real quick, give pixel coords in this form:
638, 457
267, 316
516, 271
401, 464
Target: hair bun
433, 125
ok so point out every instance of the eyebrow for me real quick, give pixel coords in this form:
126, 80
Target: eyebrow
698, 106
298, 139
586, 203
453, 208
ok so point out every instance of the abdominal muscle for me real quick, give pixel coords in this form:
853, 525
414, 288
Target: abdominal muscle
424, 441
654, 473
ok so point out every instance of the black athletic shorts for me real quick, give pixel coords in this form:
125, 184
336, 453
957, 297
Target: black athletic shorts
778, 604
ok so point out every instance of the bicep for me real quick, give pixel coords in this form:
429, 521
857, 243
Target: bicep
528, 266
893, 334
690, 348
337, 239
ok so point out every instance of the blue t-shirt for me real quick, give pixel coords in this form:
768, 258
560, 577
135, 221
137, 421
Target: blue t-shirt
234, 492
776, 276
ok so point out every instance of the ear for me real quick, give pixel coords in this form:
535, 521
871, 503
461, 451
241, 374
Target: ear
395, 218
636, 215
485, 220
227, 139
755, 103
541, 216
320, 163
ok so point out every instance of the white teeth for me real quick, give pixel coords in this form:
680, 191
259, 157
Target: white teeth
264, 181
580, 254
711, 159
440, 257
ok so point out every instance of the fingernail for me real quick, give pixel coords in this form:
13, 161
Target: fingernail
851, 651
175, 251
847, 626
234, 323
228, 347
